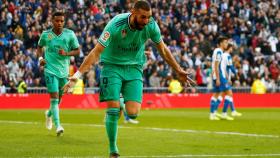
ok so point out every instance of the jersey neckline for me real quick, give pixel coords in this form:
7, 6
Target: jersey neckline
56, 34
128, 23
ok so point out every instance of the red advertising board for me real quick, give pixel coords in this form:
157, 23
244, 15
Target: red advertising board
150, 100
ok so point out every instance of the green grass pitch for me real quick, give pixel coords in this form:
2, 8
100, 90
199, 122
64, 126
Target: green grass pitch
161, 133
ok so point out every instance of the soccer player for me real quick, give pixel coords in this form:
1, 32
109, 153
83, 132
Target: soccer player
121, 47
227, 68
59, 43
216, 76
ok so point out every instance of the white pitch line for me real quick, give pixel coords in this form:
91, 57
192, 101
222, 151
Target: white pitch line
180, 156
191, 155
19, 122
212, 132
158, 129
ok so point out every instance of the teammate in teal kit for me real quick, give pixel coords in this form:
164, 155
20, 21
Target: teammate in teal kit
121, 46
59, 44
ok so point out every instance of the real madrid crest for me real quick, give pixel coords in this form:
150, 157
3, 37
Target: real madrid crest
50, 36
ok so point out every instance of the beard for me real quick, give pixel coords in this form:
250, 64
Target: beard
138, 26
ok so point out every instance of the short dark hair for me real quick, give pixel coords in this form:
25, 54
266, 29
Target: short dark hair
229, 46
142, 4
221, 39
58, 13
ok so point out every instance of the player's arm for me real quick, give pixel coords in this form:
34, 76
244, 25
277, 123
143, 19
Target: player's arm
216, 66
217, 61
168, 57
74, 52
155, 36
232, 69
94, 55
103, 41
40, 50
40, 54
90, 59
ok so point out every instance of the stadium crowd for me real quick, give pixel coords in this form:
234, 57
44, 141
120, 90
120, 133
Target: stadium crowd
189, 28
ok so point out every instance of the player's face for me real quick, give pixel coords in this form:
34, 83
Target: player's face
142, 18
58, 22
224, 44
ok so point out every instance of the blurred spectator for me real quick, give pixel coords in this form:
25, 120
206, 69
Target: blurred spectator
13, 88
2, 88
29, 80
273, 42
19, 32
13, 68
72, 68
258, 86
79, 87
274, 70
37, 82
200, 76
154, 79
175, 86
278, 83
3, 45
189, 28
22, 87
90, 78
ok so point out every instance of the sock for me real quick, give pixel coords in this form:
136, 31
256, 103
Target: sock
219, 100
213, 104
122, 105
134, 116
60, 93
55, 112
49, 114
50, 110
111, 124
231, 105
226, 103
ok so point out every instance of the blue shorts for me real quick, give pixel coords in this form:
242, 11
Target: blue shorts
224, 86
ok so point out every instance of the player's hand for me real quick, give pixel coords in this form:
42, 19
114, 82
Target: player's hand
218, 83
68, 87
184, 77
42, 62
62, 52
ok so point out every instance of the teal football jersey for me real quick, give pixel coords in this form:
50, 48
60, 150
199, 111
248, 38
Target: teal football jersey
124, 46
57, 64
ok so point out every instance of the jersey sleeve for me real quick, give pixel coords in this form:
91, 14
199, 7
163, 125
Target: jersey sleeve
218, 56
106, 36
42, 40
155, 34
74, 41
